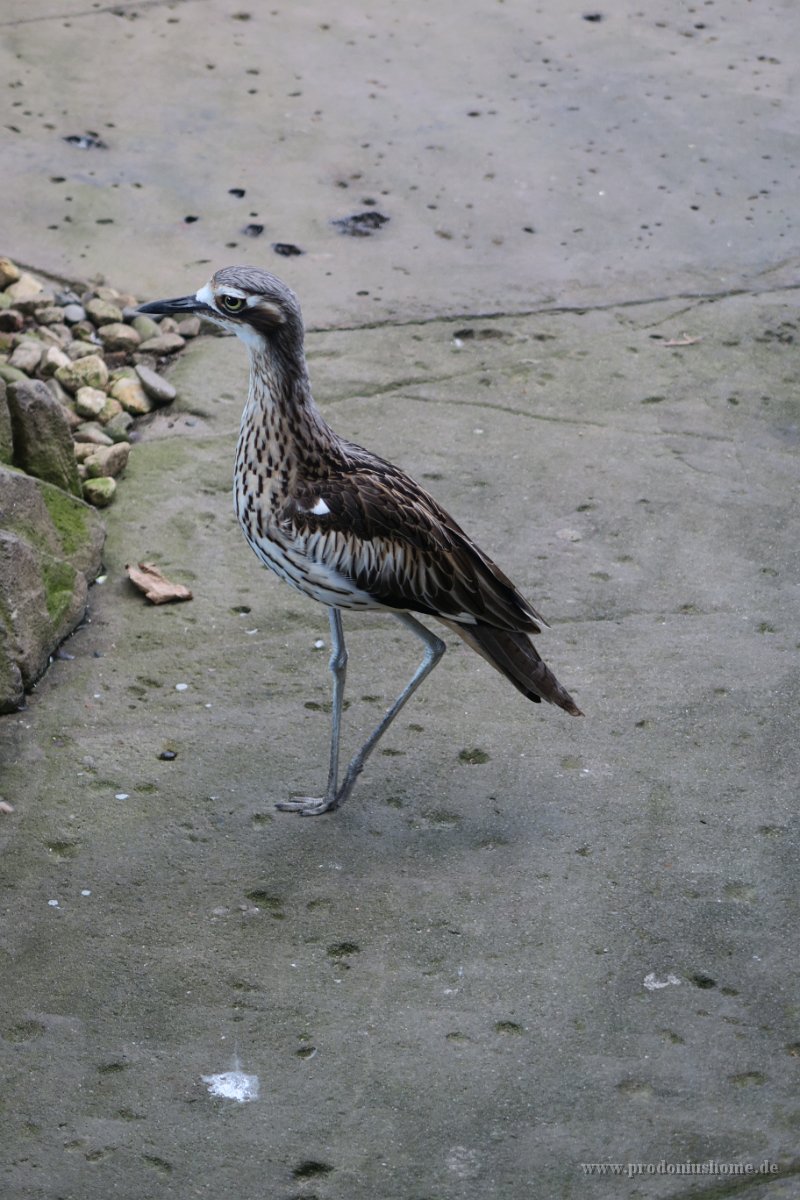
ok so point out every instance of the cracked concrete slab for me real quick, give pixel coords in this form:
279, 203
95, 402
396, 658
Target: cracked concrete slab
526, 943
442, 989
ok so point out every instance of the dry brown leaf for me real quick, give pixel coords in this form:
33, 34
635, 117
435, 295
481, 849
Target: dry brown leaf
158, 590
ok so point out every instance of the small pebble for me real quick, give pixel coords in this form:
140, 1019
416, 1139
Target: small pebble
189, 327
165, 343
103, 312
156, 387
99, 492
181, 687
121, 796
86, 891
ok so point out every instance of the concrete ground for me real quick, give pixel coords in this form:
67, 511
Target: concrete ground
488, 970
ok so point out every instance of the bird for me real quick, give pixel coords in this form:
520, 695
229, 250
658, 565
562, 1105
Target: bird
349, 529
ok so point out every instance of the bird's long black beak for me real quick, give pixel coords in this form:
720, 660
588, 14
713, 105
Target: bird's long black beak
166, 308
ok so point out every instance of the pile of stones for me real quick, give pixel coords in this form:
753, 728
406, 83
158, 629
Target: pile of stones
77, 368
97, 358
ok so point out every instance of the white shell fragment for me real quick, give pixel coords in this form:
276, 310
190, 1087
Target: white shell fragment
233, 1085
653, 984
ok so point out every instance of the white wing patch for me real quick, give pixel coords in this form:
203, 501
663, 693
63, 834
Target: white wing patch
320, 509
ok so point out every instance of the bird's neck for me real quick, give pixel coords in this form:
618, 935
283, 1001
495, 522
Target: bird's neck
281, 415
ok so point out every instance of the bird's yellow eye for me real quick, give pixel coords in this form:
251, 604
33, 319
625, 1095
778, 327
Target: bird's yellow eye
232, 303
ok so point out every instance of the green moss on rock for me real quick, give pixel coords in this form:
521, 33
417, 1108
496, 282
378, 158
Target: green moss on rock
59, 588
70, 517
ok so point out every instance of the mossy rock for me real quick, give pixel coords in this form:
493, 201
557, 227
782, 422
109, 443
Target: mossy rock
50, 550
41, 435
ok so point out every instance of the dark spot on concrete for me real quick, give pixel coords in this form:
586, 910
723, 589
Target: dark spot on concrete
440, 816
253, 230
63, 849
311, 1168
483, 334
273, 904
190, 220
287, 249
360, 224
343, 949
168, 755
24, 1031
749, 1079
635, 1088
158, 1164
306, 1052
86, 141
594, 17
238, 192
473, 756
508, 1027
703, 981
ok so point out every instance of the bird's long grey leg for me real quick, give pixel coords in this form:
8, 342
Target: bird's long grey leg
434, 649
338, 668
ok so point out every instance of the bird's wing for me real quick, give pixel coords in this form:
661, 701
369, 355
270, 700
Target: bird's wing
377, 528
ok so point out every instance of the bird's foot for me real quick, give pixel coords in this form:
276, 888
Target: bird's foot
309, 806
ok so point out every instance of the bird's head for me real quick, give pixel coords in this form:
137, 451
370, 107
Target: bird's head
256, 306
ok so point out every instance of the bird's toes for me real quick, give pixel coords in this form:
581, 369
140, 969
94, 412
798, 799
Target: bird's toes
306, 806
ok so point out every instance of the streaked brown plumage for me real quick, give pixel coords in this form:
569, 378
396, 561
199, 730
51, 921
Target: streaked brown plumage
348, 528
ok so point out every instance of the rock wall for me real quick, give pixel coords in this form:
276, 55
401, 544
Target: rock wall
51, 541
76, 371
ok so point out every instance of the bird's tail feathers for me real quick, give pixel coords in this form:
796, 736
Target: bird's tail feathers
515, 656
